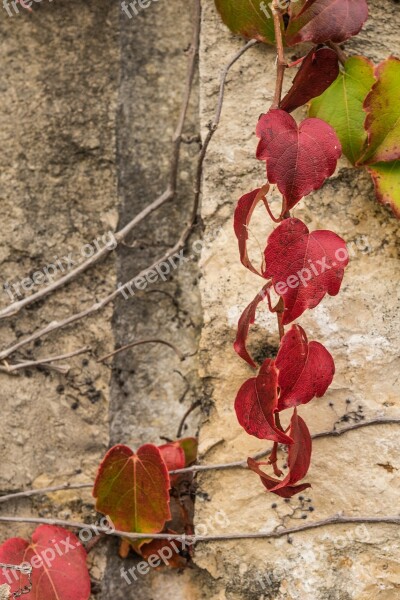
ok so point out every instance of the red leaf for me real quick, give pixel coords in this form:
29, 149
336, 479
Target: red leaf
304, 266
299, 158
164, 553
244, 210
298, 462
319, 21
256, 403
248, 317
318, 71
173, 455
59, 565
306, 369
133, 489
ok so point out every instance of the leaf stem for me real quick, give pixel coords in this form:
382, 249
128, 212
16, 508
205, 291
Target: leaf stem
341, 54
281, 61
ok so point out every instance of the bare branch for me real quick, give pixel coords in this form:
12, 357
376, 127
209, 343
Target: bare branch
193, 539
241, 464
169, 193
48, 490
56, 325
185, 416
45, 362
180, 355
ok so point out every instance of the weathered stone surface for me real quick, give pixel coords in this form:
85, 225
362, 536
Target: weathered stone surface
356, 474
90, 101
151, 388
58, 192
5, 592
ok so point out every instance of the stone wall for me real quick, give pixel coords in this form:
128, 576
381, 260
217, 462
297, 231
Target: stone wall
59, 80
90, 102
356, 474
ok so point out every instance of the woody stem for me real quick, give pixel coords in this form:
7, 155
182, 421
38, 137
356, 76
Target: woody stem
281, 61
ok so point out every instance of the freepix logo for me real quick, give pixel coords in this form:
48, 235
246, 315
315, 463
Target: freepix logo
13, 6
267, 8
132, 9
59, 265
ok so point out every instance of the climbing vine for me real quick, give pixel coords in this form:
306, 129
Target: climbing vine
354, 110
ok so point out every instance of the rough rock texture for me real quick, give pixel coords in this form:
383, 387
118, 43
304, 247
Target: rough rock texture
151, 388
356, 474
59, 83
90, 102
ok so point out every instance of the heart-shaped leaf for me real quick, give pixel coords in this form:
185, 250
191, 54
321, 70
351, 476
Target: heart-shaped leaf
383, 114
306, 369
133, 489
386, 177
304, 266
341, 105
318, 70
243, 212
320, 21
250, 18
58, 560
298, 462
248, 317
256, 403
299, 158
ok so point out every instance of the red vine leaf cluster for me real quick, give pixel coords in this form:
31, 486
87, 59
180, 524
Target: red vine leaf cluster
299, 265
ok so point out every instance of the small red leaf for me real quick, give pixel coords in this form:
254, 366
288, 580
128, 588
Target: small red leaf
304, 266
248, 317
133, 489
58, 560
299, 158
306, 369
299, 451
173, 455
256, 403
318, 71
164, 553
175, 458
319, 21
244, 210
298, 462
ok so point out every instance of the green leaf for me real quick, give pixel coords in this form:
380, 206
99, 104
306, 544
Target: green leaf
383, 114
341, 105
250, 18
386, 178
190, 447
